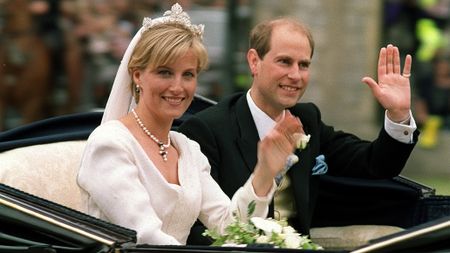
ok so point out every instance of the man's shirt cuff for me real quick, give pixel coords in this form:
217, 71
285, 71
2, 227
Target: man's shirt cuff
400, 132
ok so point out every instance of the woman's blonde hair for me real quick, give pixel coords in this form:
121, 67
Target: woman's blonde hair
164, 44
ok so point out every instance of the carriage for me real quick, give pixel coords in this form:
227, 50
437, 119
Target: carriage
42, 209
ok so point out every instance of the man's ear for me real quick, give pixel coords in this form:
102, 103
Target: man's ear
253, 61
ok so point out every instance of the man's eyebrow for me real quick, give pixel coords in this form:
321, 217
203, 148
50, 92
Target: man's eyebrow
308, 61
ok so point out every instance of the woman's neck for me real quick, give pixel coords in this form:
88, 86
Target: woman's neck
159, 128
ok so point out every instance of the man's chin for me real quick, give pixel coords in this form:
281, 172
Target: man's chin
289, 103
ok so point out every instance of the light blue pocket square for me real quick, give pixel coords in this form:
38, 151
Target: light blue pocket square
321, 166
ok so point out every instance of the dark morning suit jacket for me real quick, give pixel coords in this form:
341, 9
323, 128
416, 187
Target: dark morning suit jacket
228, 136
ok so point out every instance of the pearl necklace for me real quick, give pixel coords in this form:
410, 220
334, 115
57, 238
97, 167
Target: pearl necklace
162, 147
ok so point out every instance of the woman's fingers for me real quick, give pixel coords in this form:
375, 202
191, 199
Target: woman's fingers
288, 126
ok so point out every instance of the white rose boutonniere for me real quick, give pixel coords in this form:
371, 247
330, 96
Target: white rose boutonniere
260, 231
302, 140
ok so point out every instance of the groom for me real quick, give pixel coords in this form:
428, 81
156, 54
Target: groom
279, 59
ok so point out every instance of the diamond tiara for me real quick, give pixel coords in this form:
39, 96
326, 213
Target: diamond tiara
176, 15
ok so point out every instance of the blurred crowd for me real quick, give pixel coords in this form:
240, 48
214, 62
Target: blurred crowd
61, 56
422, 28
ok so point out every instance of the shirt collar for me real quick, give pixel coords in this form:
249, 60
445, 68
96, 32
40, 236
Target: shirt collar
262, 121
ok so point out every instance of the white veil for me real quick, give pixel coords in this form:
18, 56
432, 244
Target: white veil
121, 101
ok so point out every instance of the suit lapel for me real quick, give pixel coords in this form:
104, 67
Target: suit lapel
300, 174
247, 134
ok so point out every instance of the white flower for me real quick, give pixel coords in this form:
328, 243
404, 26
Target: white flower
257, 230
289, 230
302, 140
262, 239
292, 241
266, 225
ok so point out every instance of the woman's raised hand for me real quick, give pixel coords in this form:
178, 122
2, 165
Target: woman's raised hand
273, 151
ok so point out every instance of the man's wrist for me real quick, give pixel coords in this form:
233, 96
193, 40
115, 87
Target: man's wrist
403, 118
406, 121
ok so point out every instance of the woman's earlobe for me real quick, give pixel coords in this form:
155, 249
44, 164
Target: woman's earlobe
136, 76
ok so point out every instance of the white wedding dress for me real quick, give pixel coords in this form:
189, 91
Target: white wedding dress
127, 189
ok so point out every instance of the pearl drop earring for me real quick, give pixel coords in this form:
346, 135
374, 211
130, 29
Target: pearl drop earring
137, 89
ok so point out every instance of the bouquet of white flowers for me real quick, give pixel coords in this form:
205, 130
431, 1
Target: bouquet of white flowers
257, 230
